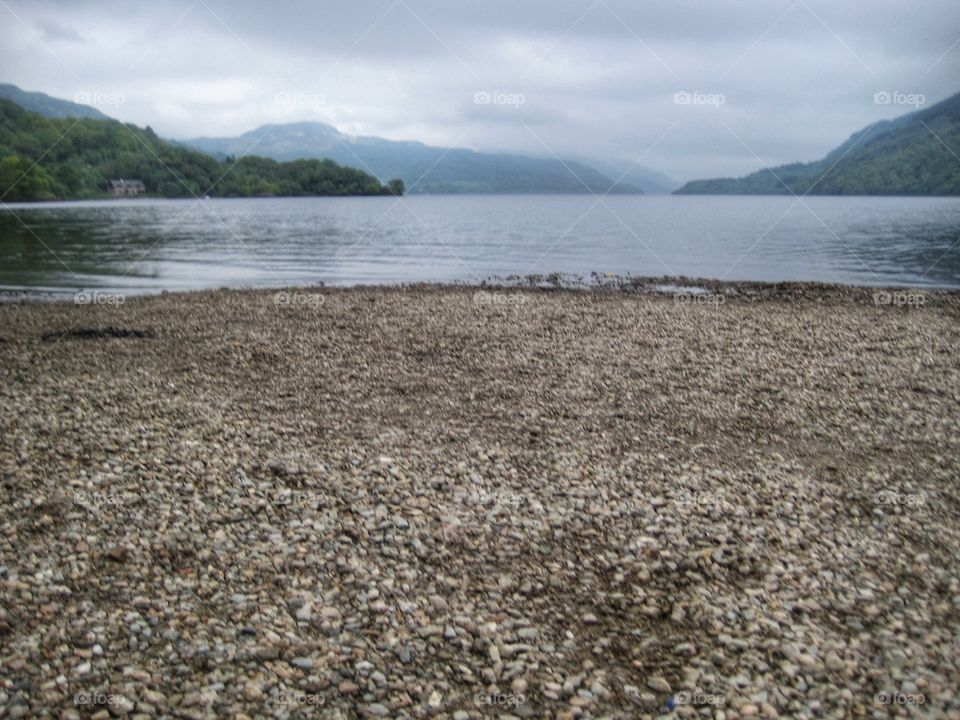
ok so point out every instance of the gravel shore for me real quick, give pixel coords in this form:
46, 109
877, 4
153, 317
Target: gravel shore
452, 502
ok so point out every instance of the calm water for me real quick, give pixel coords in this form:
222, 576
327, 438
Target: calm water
147, 246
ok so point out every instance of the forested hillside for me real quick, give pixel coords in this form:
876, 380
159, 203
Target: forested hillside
916, 154
68, 159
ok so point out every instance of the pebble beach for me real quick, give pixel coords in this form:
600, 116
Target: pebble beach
739, 500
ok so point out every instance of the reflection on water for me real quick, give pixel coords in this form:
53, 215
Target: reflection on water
147, 246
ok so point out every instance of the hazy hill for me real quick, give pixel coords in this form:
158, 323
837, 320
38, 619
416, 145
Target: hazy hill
46, 105
915, 154
640, 176
423, 168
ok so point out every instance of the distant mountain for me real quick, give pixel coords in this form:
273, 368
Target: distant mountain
48, 106
915, 154
423, 168
640, 176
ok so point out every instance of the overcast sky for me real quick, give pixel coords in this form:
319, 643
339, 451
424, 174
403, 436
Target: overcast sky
766, 81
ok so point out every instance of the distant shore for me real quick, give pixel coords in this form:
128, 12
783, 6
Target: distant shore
452, 501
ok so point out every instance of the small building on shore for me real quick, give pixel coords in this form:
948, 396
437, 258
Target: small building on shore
123, 188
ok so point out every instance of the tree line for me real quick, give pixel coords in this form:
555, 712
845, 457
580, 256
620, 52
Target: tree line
74, 159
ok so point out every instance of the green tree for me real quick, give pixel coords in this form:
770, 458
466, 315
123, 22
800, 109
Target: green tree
21, 180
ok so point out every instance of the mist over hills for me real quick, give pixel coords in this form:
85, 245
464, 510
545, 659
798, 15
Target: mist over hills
914, 154
650, 181
909, 155
424, 169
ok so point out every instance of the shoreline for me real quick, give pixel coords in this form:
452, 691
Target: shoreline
461, 501
664, 285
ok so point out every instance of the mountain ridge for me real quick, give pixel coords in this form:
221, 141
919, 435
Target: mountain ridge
47, 105
424, 168
912, 154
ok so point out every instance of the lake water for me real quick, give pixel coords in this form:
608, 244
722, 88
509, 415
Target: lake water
148, 245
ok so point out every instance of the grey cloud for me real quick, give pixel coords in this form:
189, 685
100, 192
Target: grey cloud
53, 31
797, 76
